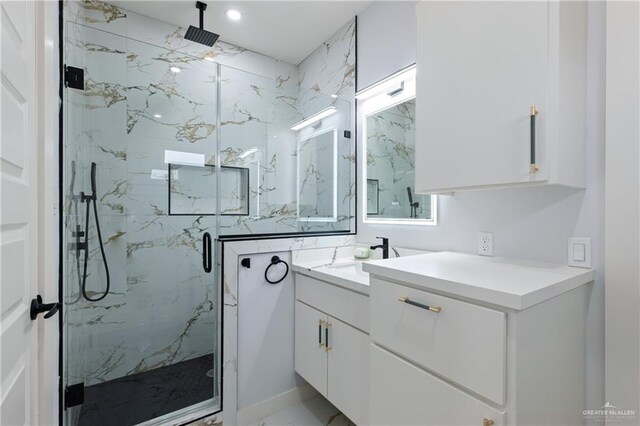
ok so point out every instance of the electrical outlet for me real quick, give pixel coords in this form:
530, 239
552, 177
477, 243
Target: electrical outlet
485, 243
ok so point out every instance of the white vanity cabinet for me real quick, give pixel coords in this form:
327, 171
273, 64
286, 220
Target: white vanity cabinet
463, 339
331, 352
482, 68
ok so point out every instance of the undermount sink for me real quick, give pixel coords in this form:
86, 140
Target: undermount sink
350, 268
347, 271
338, 266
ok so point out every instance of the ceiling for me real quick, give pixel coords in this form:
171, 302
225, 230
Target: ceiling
287, 30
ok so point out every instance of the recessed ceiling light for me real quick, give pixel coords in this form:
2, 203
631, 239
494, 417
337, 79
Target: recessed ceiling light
157, 115
334, 96
234, 15
175, 69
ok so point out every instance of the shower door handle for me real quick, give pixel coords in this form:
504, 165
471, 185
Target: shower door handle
206, 252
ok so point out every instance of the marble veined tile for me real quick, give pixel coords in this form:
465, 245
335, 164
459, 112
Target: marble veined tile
330, 69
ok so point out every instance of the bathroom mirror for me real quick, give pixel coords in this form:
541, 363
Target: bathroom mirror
388, 123
317, 177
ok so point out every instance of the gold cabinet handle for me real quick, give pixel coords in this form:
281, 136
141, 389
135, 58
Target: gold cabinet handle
487, 422
435, 309
533, 111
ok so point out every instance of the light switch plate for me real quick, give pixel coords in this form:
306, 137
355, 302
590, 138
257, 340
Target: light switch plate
579, 252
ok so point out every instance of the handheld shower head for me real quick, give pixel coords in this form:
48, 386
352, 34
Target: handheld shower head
412, 205
93, 179
200, 35
410, 195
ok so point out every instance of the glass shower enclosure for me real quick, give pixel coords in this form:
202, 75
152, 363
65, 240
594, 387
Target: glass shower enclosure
164, 152
150, 347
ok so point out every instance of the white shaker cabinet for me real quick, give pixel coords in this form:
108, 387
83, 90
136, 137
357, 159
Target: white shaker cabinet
459, 339
330, 352
500, 95
310, 353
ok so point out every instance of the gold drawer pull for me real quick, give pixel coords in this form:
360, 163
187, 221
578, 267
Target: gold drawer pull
487, 422
435, 309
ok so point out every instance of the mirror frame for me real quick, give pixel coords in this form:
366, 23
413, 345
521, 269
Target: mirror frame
375, 100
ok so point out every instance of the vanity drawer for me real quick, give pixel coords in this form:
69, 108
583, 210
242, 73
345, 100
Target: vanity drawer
403, 394
345, 305
464, 343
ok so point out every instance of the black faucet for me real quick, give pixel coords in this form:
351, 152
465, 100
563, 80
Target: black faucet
384, 246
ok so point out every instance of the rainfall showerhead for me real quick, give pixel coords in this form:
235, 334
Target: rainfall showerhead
200, 35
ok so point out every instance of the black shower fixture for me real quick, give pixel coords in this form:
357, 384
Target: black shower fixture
200, 35
93, 198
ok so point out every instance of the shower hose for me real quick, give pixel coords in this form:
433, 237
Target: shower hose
89, 199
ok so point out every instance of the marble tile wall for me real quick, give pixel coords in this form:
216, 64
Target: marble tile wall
161, 307
330, 71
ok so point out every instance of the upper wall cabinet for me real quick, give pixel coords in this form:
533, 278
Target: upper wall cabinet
501, 95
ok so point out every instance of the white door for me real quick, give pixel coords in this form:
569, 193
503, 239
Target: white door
18, 214
481, 67
310, 356
348, 386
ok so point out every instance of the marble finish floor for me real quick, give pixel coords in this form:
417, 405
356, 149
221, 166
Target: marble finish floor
315, 411
139, 397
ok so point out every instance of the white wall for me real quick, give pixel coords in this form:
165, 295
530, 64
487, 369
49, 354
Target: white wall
529, 223
622, 243
265, 331
386, 38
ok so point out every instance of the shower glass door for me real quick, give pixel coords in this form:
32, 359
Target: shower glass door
149, 350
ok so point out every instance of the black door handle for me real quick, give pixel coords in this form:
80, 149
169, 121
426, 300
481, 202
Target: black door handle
37, 307
206, 252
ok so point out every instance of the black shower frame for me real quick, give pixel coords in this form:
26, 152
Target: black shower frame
221, 239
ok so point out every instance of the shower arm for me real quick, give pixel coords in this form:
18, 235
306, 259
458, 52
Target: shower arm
202, 7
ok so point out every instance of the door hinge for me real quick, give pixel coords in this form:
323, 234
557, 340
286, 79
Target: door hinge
74, 77
74, 395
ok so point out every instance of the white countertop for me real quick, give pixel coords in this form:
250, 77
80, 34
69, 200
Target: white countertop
349, 276
338, 266
515, 284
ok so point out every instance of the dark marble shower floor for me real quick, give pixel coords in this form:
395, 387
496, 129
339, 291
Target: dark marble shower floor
140, 397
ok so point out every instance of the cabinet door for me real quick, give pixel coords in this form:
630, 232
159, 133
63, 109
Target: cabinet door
349, 370
403, 394
481, 66
310, 354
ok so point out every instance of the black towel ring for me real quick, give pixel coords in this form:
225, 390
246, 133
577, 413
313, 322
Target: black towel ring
274, 261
